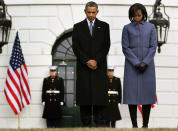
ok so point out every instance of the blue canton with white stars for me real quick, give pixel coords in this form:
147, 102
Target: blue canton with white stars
17, 59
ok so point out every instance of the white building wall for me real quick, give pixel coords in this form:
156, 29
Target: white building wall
40, 22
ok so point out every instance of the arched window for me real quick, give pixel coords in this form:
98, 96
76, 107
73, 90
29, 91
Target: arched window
64, 58
62, 49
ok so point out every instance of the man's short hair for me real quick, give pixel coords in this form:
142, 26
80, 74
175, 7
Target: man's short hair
91, 4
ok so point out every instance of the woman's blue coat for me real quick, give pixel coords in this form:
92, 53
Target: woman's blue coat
139, 42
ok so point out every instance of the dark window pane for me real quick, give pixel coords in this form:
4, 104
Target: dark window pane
69, 40
70, 86
61, 72
70, 53
71, 50
66, 44
59, 54
70, 72
61, 48
69, 100
65, 85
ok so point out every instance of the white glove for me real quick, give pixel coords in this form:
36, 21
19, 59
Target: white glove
43, 103
61, 103
119, 104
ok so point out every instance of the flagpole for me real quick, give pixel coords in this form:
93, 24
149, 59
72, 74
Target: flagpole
18, 121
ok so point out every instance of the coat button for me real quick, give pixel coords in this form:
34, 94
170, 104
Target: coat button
109, 100
54, 99
108, 94
50, 99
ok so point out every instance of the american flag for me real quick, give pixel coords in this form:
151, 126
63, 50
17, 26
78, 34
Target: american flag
17, 90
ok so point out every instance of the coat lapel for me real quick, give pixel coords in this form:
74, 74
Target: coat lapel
86, 28
95, 27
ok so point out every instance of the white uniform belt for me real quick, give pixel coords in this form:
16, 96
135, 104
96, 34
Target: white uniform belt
113, 92
53, 91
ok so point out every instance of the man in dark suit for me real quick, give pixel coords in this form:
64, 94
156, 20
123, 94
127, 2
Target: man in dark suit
91, 42
52, 98
111, 112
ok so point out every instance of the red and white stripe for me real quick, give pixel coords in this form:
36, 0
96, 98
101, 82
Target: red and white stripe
17, 89
152, 106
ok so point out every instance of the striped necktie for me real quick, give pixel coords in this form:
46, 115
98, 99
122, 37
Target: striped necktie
91, 28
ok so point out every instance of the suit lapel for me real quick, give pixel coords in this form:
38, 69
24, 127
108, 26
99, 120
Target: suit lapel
95, 27
86, 28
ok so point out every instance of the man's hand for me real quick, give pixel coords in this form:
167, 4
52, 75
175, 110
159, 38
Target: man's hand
92, 64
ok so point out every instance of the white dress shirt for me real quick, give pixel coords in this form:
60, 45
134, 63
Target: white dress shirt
89, 23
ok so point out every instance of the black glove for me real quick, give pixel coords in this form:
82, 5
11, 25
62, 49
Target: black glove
142, 67
137, 66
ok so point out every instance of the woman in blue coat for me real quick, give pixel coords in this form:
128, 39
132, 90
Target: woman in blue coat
139, 42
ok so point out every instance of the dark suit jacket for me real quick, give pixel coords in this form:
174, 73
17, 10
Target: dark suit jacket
91, 87
52, 108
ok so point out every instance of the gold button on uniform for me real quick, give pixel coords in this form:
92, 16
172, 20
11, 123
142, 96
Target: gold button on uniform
50, 99
54, 99
109, 100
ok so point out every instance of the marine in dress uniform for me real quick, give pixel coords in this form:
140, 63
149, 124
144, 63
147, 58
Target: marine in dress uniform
90, 43
112, 113
52, 98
